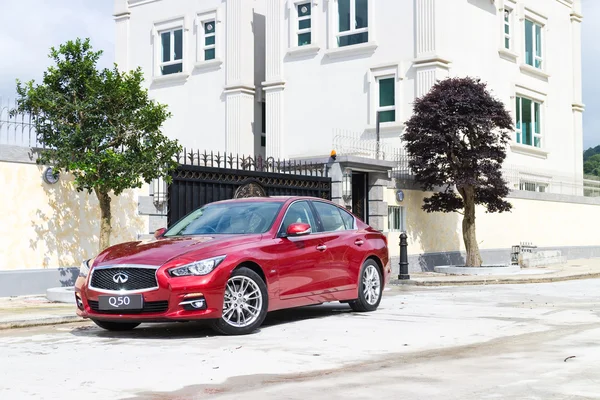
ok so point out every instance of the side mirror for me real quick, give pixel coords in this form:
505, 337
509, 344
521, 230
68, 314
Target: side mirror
298, 229
159, 232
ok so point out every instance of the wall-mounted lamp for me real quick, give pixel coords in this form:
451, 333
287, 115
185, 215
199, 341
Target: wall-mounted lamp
347, 184
399, 196
50, 176
159, 192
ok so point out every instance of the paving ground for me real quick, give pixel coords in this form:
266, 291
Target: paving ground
33, 310
571, 270
469, 342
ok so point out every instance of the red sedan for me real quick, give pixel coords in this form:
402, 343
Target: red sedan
233, 261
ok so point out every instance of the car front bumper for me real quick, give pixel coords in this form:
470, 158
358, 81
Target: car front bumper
161, 304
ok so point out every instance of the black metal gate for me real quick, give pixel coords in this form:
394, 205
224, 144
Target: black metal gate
202, 178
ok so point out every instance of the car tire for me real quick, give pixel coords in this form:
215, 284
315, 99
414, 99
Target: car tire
242, 301
370, 277
116, 326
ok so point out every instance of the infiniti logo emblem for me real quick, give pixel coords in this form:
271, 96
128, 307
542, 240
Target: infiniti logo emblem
120, 277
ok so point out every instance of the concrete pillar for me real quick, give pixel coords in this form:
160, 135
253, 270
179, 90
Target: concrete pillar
274, 96
378, 208
431, 41
336, 174
274, 85
122, 16
425, 28
578, 107
239, 83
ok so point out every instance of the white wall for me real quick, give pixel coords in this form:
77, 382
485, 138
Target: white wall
320, 90
55, 226
197, 104
198, 98
438, 38
476, 53
324, 93
543, 223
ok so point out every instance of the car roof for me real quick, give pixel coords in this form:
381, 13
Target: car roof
278, 199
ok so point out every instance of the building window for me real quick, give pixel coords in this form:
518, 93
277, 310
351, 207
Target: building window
532, 186
304, 23
387, 99
171, 60
385, 94
353, 22
508, 15
528, 122
396, 219
209, 39
533, 44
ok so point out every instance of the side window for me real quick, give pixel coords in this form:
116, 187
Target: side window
299, 212
330, 217
348, 219
171, 61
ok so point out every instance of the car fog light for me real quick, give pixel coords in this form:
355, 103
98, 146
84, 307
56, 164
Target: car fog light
194, 304
79, 302
198, 304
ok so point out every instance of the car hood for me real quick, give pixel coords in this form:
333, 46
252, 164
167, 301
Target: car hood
158, 252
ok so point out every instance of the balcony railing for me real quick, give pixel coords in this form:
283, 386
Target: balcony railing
521, 178
17, 130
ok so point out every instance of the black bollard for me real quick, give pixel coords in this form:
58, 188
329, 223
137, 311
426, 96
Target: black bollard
403, 273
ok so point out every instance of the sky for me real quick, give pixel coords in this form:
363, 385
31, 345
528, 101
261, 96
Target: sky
28, 28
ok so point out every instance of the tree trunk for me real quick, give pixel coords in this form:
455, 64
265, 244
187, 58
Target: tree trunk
105, 217
468, 226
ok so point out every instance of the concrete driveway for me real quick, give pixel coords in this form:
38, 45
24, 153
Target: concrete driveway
480, 342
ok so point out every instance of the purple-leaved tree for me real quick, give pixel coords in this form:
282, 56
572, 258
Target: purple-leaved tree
457, 139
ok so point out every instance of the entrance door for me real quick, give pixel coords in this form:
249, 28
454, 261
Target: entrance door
360, 200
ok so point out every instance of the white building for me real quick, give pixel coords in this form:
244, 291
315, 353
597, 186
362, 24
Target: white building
283, 78
296, 71
203, 59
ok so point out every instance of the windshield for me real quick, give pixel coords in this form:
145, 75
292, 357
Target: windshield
228, 218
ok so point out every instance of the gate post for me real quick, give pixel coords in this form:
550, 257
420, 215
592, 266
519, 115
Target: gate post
403, 272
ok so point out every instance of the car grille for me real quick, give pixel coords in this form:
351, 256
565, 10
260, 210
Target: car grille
137, 279
149, 307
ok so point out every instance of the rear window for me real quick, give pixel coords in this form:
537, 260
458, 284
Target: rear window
348, 219
330, 216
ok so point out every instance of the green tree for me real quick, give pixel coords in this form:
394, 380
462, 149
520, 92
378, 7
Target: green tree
592, 151
592, 165
98, 125
457, 140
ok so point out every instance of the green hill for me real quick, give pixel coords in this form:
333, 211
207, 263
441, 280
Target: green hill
591, 161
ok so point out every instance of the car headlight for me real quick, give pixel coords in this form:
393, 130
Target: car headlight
201, 267
84, 269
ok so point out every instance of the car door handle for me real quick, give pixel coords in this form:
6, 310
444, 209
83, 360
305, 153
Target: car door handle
322, 247
359, 242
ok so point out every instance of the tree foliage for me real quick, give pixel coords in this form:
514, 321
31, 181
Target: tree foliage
457, 141
591, 161
98, 125
592, 151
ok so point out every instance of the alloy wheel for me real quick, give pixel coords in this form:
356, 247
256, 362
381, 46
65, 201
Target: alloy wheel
371, 285
243, 302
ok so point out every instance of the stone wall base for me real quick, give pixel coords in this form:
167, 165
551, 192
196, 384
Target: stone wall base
426, 262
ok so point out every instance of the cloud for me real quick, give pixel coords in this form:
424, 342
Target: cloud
30, 27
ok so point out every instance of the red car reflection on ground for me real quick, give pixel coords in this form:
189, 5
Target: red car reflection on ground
233, 261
